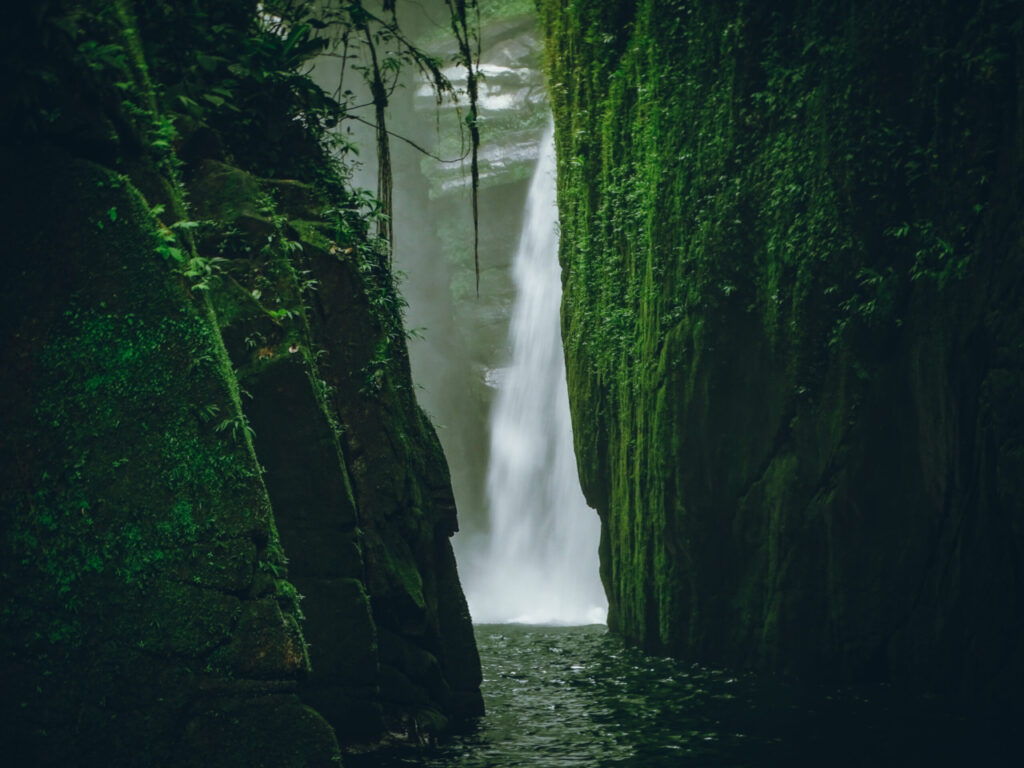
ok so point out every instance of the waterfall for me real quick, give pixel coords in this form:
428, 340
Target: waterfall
539, 564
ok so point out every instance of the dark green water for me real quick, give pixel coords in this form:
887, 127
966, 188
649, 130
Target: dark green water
575, 696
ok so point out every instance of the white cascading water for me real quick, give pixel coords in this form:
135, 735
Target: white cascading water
540, 562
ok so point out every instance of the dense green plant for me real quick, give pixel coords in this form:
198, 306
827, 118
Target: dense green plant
243, 94
763, 208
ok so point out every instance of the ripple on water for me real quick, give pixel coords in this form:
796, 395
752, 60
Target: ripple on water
575, 696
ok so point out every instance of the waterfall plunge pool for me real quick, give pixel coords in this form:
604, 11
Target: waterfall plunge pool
576, 696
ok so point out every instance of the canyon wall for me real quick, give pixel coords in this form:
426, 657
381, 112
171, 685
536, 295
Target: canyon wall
225, 521
793, 322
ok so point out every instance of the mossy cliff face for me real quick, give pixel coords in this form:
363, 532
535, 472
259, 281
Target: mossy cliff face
791, 250
356, 476
141, 598
196, 569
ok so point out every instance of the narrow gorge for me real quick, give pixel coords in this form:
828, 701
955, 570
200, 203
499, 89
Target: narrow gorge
677, 422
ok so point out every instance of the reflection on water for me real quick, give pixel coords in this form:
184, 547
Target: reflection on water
575, 696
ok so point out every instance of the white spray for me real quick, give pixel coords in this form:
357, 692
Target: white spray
540, 562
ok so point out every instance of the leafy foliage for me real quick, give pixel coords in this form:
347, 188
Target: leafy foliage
780, 225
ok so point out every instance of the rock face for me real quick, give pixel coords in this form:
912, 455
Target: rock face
225, 522
142, 603
791, 247
356, 476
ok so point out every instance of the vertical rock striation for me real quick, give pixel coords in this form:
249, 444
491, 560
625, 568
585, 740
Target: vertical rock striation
225, 523
791, 248
143, 605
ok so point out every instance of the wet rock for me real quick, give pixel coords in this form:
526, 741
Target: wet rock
133, 526
793, 413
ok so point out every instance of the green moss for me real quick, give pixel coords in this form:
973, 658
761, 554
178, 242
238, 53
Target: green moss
132, 525
142, 566
775, 251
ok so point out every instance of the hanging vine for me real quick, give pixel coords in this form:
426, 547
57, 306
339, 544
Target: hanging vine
375, 33
469, 55
380, 94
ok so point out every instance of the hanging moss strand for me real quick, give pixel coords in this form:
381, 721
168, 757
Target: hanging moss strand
467, 55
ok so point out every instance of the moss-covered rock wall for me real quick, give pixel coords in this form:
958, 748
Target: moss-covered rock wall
791, 249
225, 522
142, 598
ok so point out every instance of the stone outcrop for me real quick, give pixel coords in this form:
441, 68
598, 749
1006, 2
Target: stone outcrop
143, 599
792, 319
355, 473
225, 523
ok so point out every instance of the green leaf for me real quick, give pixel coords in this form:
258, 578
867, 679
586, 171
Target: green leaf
209, 63
170, 252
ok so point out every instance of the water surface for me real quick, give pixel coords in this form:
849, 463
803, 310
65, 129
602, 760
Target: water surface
575, 696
